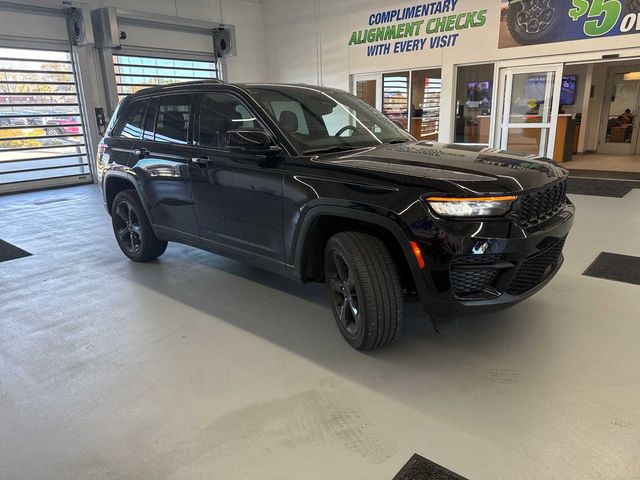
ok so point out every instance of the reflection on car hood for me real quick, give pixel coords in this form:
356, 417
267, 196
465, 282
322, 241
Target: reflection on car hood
461, 164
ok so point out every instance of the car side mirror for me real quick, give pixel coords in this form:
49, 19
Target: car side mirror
251, 140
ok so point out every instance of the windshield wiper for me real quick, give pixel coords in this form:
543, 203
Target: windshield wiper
398, 140
337, 148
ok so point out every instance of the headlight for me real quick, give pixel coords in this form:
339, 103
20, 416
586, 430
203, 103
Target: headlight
471, 207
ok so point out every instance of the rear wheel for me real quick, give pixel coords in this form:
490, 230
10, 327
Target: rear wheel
364, 289
132, 229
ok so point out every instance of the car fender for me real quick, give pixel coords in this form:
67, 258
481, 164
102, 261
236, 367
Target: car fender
374, 216
128, 174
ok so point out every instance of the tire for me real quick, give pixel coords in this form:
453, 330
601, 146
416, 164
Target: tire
132, 229
630, 6
52, 131
534, 21
363, 285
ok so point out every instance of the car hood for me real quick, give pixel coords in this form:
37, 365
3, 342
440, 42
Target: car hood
473, 168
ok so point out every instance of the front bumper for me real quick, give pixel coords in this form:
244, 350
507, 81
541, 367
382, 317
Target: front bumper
477, 266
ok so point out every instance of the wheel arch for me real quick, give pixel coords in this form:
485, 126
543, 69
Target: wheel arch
116, 182
320, 223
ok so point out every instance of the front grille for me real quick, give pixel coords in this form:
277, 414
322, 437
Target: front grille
540, 206
535, 269
472, 281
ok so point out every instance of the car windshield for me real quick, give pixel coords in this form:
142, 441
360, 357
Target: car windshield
316, 121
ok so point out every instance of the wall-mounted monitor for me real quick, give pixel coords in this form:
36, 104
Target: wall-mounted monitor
535, 89
568, 91
479, 95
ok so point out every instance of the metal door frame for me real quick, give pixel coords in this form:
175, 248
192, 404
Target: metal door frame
66, 180
503, 116
610, 147
363, 77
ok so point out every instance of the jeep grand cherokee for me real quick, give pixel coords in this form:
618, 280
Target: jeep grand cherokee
315, 184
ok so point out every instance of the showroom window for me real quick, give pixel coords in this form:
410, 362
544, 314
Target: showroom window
134, 73
395, 97
41, 129
412, 99
474, 103
426, 88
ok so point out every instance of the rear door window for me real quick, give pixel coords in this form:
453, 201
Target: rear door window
132, 119
173, 119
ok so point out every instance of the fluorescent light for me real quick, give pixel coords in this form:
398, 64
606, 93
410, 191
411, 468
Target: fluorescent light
631, 76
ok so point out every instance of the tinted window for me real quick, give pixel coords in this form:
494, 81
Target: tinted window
150, 121
172, 120
219, 113
131, 124
315, 120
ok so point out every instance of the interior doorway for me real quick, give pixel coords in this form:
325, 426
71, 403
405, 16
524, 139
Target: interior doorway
411, 98
369, 89
607, 115
620, 113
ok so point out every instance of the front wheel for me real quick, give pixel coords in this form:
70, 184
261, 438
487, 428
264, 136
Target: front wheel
133, 230
364, 289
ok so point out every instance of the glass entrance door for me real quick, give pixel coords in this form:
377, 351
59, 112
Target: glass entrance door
530, 112
619, 129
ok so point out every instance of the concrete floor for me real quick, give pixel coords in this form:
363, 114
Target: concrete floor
198, 367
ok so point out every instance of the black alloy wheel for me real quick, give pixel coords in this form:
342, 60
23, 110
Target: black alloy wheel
132, 228
364, 288
534, 21
128, 227
344, 294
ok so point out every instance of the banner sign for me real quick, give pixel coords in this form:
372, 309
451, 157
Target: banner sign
417, 27
533, 22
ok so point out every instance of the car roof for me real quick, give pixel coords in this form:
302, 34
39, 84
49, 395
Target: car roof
204, 84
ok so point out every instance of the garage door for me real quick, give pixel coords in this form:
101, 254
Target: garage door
42, 141
136, 72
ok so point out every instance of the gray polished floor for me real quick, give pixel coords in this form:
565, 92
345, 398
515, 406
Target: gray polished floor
200, 367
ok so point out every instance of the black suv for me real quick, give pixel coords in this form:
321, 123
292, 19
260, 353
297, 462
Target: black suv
315, 184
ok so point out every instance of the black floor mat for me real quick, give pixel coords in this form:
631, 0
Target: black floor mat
600, 188
11, 252
611, 266
419, 468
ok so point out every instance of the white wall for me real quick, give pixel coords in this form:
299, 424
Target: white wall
307, 41
246, 15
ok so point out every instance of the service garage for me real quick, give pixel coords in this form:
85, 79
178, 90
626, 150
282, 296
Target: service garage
304, 239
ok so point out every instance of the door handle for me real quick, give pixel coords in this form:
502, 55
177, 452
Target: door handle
141, 152
204, 160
